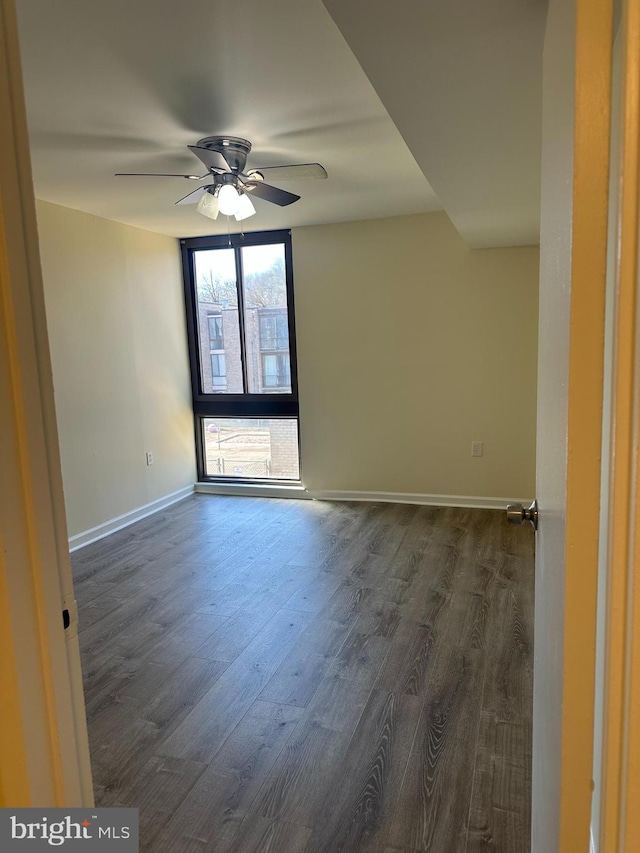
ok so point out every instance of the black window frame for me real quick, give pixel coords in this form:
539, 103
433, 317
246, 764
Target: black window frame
275, 405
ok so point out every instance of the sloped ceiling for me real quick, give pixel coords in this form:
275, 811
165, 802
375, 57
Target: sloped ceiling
462, 80
411, 106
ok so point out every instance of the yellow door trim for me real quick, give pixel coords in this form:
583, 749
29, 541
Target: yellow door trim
594, 25
620, 824
44, 709
14, 776
27, 511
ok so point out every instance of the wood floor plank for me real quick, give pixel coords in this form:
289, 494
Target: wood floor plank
276, 579
141, 721
298, 677
379, 618
238, 631
102, 678
316, 593
94, 637
272, 676
141, 636
98, 601
186, 638
203, 732
259, 835
302, 776
432, 812
509, 687
407, 667
227, 601
361, 657
500, 812
347, 603
390, 530
504, 830
240, 545
138, 685
397, 850
211, 813
157, 790
338, 703
355, 813
201, 735
325, 636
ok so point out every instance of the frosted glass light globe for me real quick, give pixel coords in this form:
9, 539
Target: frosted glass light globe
208, 206
245, 208
228, 200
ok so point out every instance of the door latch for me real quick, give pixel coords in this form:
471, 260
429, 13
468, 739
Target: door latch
517, 514
70, 616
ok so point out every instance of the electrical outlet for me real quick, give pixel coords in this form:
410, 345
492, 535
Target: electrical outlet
149, 457
476, 448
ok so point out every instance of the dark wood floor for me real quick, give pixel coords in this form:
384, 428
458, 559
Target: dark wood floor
268, 676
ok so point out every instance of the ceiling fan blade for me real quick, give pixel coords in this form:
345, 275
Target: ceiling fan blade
159, 175
211, 159
291, 173
269, 193
195, 196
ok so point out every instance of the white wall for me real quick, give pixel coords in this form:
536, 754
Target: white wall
410, 347
115, 313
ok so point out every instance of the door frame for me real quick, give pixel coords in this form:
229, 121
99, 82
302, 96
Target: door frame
596, 189
44, 752
589, 249
43, 732
620, 776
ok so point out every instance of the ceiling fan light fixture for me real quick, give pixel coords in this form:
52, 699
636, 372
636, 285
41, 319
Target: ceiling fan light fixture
245, 208
208, 206
228, 200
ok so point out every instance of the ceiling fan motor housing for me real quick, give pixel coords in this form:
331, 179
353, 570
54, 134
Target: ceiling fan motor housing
226, 178
234, 149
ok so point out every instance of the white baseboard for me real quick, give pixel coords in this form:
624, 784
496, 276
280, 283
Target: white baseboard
268, 490
466, 501
282, 491
254, 490
108, 527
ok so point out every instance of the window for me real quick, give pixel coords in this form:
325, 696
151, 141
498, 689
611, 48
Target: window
240, 323
218, 369
215, 331
275, 371
251, 448
274, 332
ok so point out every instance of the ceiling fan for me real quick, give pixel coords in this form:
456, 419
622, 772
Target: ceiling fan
225, 158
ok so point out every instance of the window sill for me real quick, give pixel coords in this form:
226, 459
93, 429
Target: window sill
254, 490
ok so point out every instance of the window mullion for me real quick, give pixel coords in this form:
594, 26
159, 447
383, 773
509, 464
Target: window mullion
241, 318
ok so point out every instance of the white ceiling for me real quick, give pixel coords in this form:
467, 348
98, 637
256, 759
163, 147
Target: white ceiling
126, 85
462, 79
